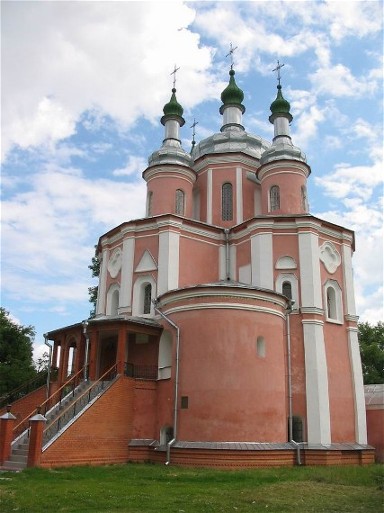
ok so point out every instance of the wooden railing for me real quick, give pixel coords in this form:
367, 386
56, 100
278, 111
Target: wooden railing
55, 398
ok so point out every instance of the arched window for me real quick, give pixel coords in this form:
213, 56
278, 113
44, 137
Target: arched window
142, 295
227, 202
113, 299
147, 298
287, 289
288, 285
180, 200
274, 198
304, 200
149, 203
333, 302
115, 302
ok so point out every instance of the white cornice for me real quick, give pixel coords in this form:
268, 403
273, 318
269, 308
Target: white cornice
229, 160
222, 291
169, 172
224, 306
284, 166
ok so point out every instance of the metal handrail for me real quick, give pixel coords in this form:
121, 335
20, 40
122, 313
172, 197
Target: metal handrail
24, 389
75, 407
23, 425
140, 371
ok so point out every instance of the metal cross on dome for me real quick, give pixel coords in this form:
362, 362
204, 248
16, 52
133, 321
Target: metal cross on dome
193, 130
174, 75
278, 68
231, 50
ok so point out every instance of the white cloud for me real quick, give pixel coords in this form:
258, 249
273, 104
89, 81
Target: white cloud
339, 81
48, 123
135, 166
347, 180
46, 229
110, 57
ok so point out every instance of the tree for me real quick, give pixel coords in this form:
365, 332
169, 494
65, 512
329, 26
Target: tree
16, 353
92, 291
371, 340
43, 362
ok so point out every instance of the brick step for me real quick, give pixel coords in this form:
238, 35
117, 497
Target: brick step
14, 464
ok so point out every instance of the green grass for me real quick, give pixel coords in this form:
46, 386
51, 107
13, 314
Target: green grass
144, 488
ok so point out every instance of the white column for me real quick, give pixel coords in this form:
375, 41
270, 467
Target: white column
316, 377
358, 385
239, 195
262, 260
168, 267
310, 281
350, 308
209, 196
102, 290
125, 298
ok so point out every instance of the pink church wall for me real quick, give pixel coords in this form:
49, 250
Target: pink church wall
248, 195
299, 404
149, 243
144, 404
202, 259
163, 186
225, 379
220, 176
290, 182
201, 187
340, 384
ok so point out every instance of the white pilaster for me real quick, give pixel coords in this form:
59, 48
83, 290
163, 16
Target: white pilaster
316, 377
168, 267
262, 260
239, 195
222, 263
125, 298
350, 308
209, 196
358, 384
310, 280
102, 290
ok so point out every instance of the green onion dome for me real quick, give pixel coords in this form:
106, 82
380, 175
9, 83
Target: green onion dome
280, 107
232, 94
173, 109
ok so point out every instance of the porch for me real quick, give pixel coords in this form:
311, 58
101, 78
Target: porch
132, 344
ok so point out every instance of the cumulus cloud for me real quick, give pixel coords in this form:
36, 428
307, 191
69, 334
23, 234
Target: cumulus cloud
339, 81
59, 208
103, 56
135, 166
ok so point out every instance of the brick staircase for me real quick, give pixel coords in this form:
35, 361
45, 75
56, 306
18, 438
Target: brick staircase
19, 455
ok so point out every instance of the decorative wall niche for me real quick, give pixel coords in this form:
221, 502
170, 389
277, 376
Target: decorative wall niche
330, 257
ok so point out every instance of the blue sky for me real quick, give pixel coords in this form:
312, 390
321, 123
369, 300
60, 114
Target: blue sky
83, 87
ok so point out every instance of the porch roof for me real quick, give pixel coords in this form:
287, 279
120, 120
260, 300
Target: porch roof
107, 319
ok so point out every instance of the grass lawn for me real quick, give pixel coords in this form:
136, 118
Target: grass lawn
145, 488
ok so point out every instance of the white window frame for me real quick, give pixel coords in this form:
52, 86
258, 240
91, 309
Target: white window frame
138, 295
293, 280
337, 306
111, 302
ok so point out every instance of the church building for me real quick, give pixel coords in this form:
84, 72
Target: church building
225, 326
